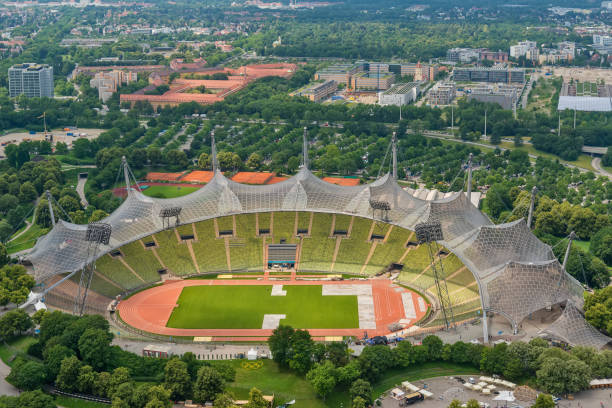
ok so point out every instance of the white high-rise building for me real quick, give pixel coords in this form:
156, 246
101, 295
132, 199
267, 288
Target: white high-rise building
31, 80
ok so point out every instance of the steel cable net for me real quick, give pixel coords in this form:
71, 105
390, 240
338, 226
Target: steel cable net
456, 215
489, 247
520, 289
484, 248
572, 328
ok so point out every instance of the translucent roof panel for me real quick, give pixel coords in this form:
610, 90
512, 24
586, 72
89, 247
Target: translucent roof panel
585, 103
572, 328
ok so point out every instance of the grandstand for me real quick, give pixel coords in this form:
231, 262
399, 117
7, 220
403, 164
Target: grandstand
226, 227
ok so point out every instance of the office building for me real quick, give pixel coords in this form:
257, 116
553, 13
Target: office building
341, 73
372, 81
31, 80
318, 92
399, 94
442, 94
499, 75
505, 96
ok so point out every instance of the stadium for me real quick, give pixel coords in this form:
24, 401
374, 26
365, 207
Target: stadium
230, 262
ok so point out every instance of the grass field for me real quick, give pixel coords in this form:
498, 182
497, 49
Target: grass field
215, 307
27, 240
168, 191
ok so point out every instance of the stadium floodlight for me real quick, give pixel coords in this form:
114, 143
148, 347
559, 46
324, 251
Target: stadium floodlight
170, 212
98, 232
380, 205
429, 231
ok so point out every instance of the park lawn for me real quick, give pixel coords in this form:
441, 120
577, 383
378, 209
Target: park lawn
14, 347
584, 245
168, 191
285, 385
270, 379
27, 240
243, 307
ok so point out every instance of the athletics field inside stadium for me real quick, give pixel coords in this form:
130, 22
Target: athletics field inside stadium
250, 308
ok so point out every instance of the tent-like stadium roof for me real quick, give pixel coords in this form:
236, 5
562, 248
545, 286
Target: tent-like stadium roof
517, 274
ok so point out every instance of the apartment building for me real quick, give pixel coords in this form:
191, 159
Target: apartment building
443, 93
107, 83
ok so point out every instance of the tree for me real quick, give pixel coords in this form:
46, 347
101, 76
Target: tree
94, 347
6, 230
27, 192
27, 375
54, 357
280, 344
301, 351
14, 322
208, 384
67, 378
224, 400
558, 376
177, 159
204, 161
323, 378
256, 399
337, 353
4, 256
102, 384
69, 204
120, 375
361, 388
544, 401
254, 161
31, 399
455, 404
434, 345
349, 373
359, 402
97, 215
177, 379
472, 404
86, 380
601, 245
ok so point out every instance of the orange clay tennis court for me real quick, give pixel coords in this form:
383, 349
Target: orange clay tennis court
381, 303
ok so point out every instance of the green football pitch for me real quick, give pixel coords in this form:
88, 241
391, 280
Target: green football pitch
243, 307
168, 191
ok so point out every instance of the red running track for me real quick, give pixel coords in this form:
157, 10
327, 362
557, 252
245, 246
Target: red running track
150, 310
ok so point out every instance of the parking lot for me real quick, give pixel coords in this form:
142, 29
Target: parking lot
59, 135
445, 390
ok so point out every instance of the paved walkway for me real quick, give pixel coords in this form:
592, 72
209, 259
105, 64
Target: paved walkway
81, 191
5, 387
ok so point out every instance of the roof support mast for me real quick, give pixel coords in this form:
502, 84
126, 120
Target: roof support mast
213, 152
572, 235
534, 190
126, 175
394, 156
305, 149
469, 186
50, 200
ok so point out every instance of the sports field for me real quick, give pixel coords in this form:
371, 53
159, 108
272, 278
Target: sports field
168, 191
244, 307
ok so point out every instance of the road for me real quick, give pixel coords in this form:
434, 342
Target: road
596, 163
81, 191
